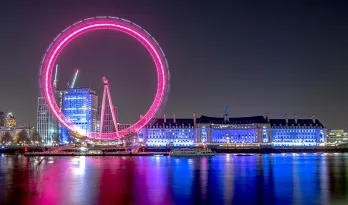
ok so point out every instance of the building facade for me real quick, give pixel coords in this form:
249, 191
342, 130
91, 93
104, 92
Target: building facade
47, 126
214, 130
80, 106
168, 132
108, 123
10, 121
225, 130
337, 136
297, 132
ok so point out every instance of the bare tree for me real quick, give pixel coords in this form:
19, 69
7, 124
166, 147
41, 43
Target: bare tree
6, 138
21, 137
34, 135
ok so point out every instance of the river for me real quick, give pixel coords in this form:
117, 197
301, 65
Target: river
222, 179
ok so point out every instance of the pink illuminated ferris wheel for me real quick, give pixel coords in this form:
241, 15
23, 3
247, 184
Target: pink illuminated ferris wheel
102, 23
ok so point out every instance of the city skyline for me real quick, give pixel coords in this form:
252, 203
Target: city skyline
284, 67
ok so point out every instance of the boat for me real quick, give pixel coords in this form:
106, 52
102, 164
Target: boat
187, 152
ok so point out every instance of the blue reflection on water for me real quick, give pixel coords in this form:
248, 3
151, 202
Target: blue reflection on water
222, 179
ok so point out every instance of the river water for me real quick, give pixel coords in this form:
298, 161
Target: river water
222, 179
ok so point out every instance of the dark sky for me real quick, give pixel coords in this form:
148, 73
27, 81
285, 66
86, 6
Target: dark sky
256, 57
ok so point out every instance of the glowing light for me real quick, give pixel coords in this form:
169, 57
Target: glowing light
117, 24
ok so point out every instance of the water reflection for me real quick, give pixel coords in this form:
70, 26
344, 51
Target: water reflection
222, 179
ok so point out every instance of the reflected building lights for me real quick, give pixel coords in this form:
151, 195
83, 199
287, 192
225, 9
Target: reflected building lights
81, 165
222, 179
204, 177
229, 181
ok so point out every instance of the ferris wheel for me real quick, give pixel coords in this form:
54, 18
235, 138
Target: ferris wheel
105, 23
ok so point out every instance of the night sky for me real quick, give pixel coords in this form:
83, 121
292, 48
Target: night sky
256, 57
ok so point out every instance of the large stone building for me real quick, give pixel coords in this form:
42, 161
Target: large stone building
225, 130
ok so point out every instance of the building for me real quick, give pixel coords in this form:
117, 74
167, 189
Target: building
46, 124
2, 119
168, 132
123, 126
214, 130
337, 136
297, 132
108, 123
80, 106
226, 130
10, 121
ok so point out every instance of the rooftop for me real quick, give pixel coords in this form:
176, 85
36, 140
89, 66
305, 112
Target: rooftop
234, 120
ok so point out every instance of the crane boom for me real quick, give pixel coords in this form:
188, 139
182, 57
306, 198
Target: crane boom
55, 81
74, 79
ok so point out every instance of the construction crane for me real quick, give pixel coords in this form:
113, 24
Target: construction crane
55, 81
74, 79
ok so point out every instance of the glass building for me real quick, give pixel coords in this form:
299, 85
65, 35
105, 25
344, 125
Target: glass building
47, 126
80, 106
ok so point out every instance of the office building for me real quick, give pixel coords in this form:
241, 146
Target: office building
80, 106
337, 136
108, 123
47, 125
10, 121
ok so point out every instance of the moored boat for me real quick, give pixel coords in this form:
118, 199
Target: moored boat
187, 152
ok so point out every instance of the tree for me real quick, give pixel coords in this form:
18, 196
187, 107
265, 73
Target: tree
6, 138
21, 136
34, 135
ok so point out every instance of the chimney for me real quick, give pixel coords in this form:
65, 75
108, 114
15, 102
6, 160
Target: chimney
174, 118
295, 118
286, 119
194, 119
313, 118
164, 118
267, 117
141, 116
